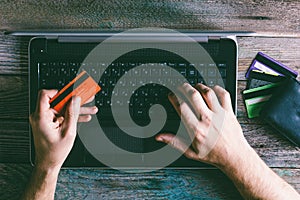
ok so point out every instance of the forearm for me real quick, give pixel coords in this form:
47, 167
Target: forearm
42, 184
255, 180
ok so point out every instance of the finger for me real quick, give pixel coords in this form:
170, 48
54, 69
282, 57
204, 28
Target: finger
187, 115
84, 118
195, 99
57, 122
224, 98
44, 97
88, 110
209, 97
178, 144
59, 119
71, 116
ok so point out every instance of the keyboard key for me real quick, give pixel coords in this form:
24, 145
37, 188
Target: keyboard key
222, 72
202, 71
182, 71
211, 82
54, 72
73, 71
62, 83
64, 72
136, 72
115, 72
212, 65
145, 72
155, 72
44, 71
192, 72
107, 72
166, 72
200, 80
222, 65
182, 65
211, 72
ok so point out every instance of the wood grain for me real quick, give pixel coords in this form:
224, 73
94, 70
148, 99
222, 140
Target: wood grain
278, 19
112, 184
273, 148
260, 16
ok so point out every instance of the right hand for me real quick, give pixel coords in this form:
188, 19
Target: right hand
206, 104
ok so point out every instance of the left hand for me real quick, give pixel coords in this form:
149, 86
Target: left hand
53, 134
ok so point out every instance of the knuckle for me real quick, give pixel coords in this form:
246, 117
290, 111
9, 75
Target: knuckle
193, 93
199, 136
225, 94
42, 92
206, 119
209, 93
198, 133
173, 143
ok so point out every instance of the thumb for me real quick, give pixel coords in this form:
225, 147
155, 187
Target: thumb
71, 115
177, 143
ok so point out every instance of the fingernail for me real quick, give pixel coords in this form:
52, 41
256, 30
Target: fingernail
160, 139
171, 94
77, 99
95, 109
185, 84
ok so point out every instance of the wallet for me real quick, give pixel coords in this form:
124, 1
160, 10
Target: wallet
283, 110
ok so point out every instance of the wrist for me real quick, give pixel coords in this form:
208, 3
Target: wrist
47, 170
239, 158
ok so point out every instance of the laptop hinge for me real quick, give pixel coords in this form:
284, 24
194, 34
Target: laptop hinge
214, 37
82, 39
51, 36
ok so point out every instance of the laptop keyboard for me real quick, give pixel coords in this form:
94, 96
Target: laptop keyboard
58, 74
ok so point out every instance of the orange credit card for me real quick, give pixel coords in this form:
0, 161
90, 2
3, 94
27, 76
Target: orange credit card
82, 85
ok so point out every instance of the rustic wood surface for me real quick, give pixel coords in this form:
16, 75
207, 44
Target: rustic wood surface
272, 16
279, 19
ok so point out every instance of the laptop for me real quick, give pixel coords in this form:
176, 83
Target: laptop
55, 57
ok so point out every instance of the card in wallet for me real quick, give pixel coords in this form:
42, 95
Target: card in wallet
283, 110
259, 78
82, 85
255, 98
269, 65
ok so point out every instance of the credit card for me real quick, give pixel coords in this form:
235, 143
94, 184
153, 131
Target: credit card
267, 64
256, 98
258, 78
82, 85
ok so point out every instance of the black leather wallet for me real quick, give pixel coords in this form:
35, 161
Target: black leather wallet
283, 110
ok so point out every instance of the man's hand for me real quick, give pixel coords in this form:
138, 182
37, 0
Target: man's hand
53, 134
223, 144
210, 121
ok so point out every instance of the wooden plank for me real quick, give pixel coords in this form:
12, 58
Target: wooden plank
267, 16
14, 141
14, 97
274, 149
14, 54
108, 184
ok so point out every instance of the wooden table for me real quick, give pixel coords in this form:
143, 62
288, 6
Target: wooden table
276, 22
